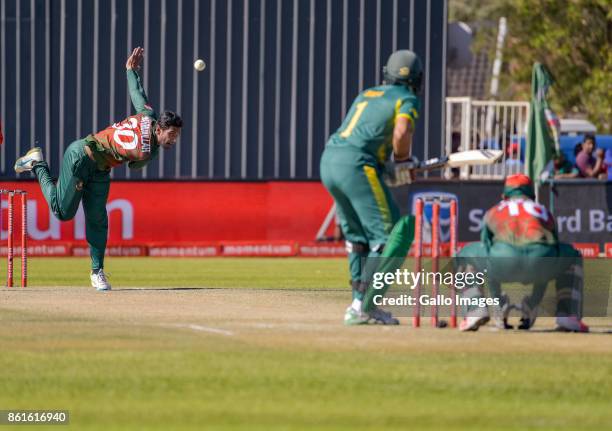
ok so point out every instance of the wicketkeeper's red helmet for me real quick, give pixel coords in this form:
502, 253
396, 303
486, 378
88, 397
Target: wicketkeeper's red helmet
518, 184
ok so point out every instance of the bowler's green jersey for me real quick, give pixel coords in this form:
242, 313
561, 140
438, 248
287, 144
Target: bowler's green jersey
368, 126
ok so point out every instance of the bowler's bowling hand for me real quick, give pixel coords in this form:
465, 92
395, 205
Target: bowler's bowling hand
135, 59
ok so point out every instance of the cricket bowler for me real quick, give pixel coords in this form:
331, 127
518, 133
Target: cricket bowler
379, 126
519, 243
85, 171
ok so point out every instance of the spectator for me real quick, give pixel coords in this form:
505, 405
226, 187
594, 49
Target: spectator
561, 168
608, 161
589, 166
455, 146
514, 165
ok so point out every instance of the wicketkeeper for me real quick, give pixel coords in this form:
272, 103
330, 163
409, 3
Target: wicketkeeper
519, 243
379, 125
85, 171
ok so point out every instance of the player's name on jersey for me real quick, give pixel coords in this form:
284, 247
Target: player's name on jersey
145, 127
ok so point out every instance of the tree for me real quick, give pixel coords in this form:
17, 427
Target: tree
470, 11
572, 38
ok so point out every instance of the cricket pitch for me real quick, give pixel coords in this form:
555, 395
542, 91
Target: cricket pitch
202, 355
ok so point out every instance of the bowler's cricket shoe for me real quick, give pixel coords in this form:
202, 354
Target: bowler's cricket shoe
472, 323
571, 324
26, 163
355, 317
99, 280
382, 317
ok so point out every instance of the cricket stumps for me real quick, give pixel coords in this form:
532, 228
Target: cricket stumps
435, 251
10, 244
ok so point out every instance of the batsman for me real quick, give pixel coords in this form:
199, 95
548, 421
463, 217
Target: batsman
519, 243
379, 126
85, 171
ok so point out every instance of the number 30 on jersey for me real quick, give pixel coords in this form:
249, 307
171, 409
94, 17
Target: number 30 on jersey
124, 135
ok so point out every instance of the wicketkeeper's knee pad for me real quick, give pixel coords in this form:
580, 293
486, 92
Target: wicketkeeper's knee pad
570, 290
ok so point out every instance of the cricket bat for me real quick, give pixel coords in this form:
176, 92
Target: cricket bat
401, 173
462, 158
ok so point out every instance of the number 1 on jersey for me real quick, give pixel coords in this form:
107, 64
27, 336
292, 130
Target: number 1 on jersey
358, 111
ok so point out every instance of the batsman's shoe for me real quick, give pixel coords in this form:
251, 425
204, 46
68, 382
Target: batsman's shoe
474, 319
529, 315
502, 313
472, 323
26, 163
99, 281
382, 317
571, 324
355, 317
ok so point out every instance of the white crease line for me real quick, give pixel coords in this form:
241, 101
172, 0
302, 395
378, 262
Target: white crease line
205, 329
292, 326
208, 329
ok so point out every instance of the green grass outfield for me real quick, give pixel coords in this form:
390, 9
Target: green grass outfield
269, 273
258, 344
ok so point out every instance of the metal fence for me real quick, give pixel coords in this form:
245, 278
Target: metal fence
281, 75
477, 124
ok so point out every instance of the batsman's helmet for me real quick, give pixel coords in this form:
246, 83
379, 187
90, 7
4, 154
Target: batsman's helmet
404, 67
518, 185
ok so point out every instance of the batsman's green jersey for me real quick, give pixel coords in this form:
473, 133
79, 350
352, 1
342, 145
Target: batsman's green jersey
84, 180
352, 168
368, 126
